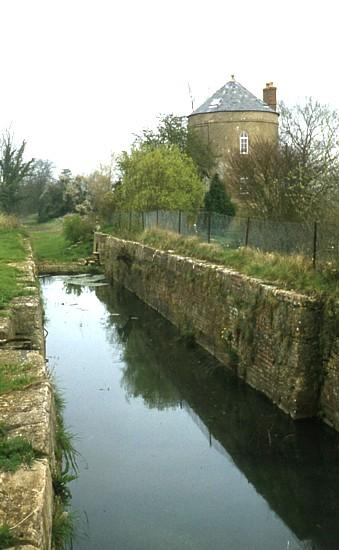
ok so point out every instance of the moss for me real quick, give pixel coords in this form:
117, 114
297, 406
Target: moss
228, 338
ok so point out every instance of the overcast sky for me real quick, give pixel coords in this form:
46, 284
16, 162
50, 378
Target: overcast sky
80, 77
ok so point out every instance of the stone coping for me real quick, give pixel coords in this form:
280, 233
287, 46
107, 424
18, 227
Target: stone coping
26, 496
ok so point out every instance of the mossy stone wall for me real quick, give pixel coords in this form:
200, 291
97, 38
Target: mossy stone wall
269, 337
26, 495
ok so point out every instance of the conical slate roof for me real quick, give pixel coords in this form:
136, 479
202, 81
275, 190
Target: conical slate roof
232, 97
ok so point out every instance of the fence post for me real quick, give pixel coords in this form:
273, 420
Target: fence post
157, 217
179, 223
209, 228
119, 220
315, 238
143, 220
247, 231
130, 221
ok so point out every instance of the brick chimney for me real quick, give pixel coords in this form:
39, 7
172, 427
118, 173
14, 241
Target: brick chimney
270, 95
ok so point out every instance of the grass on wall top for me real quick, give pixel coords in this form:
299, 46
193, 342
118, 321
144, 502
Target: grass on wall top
292, 272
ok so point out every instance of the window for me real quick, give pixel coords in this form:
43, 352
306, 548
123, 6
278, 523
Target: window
244, 143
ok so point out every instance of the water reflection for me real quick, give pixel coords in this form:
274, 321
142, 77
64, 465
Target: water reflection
292, 465
73, 289
148, 478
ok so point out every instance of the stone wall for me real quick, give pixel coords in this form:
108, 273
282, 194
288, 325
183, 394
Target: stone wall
271, 338
26, 496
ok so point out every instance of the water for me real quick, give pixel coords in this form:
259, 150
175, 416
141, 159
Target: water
176, 453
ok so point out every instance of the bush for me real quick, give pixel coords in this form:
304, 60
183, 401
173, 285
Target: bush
160, 178
77, 228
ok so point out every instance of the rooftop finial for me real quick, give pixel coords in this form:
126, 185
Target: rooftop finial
233, 77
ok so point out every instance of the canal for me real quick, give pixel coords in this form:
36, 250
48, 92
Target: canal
176, 453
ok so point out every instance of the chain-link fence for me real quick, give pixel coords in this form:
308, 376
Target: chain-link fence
317, 241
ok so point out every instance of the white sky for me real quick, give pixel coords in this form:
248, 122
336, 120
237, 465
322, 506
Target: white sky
80, 77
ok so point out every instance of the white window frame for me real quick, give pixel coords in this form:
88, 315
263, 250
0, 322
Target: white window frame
243, 143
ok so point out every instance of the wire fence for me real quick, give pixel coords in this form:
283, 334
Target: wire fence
317, 241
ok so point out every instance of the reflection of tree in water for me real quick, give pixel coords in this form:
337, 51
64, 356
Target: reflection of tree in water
73, 289
125, 330
292, 464
143, 376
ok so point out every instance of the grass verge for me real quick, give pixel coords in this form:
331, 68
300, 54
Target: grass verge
50, 245
12, 250
291, 272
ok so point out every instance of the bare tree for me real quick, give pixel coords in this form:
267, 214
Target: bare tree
311, 130
297, 178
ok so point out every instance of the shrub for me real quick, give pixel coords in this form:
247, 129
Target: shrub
77, 228
160, 178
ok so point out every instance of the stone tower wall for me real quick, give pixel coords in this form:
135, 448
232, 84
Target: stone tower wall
221, 130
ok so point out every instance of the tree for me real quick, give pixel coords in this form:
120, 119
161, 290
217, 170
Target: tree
99, 192
296, 178
13, 170
311, 131
92, 194
217, 200
56, 199
34, 184
173, 130
159, 177
262, 181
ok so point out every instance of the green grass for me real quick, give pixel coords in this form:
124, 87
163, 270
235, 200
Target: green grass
64, 522
16, 451
290, 272
7, 539
63, 528
66, 454
14, 377
10, 284
50, 245
12, 249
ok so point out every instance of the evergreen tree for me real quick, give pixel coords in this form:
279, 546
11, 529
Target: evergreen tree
217, 200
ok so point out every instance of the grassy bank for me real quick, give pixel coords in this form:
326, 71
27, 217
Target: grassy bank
292, 272
49, 243
12, 251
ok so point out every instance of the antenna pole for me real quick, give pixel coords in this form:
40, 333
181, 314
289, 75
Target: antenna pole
191, 97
